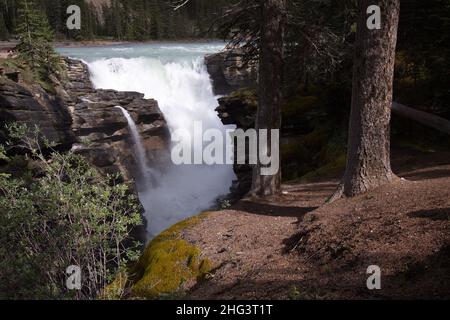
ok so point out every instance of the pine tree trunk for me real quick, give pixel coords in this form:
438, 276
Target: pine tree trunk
368, 160
270, 86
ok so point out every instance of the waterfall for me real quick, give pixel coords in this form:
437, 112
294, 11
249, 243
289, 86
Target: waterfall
184, 93
138, 147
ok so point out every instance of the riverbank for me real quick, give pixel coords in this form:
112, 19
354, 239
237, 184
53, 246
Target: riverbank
102, 43
8, 45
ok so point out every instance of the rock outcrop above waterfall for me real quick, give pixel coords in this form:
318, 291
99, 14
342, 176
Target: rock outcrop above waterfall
229, 71
79, 117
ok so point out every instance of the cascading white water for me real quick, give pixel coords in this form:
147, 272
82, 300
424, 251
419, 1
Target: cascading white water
182, 87
139, 148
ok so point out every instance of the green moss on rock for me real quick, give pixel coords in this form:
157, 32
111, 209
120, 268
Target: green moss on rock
169, 264
117, 289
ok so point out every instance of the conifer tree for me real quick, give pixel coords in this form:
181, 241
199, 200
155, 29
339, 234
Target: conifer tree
35, 39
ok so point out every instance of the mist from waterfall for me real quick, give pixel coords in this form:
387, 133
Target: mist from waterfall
176, 77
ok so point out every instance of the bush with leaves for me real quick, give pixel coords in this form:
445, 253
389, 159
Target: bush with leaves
56, 213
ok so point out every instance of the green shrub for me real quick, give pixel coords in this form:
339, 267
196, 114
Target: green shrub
68, 214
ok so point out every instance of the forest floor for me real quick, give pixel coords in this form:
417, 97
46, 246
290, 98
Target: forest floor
295, 247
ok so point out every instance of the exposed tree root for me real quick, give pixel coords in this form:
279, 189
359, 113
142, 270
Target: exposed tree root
339, 194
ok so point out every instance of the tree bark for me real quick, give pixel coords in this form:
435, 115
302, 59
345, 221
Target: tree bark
368, 159
270, 87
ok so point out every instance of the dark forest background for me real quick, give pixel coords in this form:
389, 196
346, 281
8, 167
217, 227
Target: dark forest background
122, 19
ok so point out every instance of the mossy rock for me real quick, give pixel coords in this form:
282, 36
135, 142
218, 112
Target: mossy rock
169, 264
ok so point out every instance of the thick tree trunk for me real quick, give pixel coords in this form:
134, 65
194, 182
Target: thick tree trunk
270, 86
368, 159
427, 119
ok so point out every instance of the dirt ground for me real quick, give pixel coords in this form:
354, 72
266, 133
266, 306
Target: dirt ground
295, 247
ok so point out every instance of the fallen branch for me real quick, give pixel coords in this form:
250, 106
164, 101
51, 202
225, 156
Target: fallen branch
179, 6
427, 119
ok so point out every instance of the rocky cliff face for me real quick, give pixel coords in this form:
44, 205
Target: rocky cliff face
229, 72
32, 105
239, 108
102, 130
235, 79
85, 119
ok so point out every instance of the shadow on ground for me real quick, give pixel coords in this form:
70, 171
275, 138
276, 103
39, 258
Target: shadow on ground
415, 280
434, 173
272, 210
435, 215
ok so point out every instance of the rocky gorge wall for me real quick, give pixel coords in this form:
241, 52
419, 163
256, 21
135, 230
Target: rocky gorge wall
236, 82
83, 119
